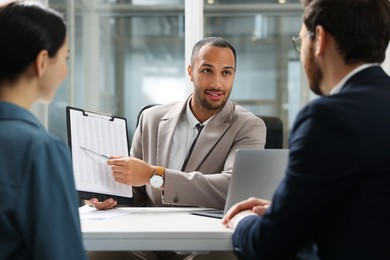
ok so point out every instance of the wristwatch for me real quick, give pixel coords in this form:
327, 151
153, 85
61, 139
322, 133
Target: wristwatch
157, 180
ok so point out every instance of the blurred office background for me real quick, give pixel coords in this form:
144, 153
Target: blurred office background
129, 53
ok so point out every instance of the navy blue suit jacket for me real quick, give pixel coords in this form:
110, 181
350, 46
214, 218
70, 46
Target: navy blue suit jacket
337, 185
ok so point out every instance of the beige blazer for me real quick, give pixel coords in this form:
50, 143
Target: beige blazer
206, 178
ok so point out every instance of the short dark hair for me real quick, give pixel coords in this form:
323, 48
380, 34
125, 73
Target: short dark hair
27, 28
213, 41
361, 28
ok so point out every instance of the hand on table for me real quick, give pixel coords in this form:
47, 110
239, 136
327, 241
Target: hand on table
251, 206
107, 204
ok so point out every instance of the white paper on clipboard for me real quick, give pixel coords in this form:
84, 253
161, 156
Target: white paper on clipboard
101, 134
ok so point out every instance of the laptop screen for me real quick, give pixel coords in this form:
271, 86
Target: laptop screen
256, 173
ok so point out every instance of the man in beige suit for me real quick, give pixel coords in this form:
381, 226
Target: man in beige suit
166, 132
163, 158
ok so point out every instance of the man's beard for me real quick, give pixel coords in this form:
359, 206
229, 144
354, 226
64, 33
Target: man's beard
204, 103
313, 72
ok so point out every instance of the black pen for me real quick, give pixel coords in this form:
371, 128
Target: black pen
89, 150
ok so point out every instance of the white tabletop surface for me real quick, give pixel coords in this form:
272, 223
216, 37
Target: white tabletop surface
157, 229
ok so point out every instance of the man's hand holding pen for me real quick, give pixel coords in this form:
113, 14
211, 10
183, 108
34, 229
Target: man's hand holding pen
130, 170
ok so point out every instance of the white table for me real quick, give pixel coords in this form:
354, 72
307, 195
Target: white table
173, 229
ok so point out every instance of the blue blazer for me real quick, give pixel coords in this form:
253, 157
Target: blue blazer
38, 203
337, 185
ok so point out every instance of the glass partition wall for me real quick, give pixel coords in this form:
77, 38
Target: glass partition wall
129, 53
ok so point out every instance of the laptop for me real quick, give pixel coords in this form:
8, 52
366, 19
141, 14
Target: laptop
256, 173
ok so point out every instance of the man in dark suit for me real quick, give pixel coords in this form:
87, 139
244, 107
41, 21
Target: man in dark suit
336, 191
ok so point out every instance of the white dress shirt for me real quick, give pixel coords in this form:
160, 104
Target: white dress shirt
185, 133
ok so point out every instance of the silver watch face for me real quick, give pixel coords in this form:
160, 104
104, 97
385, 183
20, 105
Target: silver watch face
156, 181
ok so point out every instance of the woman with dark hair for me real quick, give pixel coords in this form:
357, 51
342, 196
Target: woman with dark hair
38, 202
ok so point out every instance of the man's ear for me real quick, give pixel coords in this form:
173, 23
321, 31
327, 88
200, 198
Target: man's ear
189, 70
41, 62
321, 40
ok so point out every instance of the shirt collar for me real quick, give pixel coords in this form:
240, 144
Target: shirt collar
341, 83
191, 117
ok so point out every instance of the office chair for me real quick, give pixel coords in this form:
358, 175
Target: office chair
274, 126
142, 110
141, 191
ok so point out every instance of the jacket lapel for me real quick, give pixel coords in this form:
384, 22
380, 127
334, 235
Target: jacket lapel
165, 132
210, 136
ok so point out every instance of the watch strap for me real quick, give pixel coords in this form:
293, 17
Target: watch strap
160, 170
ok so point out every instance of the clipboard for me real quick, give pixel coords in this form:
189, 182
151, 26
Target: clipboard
93, 137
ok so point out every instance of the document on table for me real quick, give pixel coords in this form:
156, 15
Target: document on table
93, 137
90, 213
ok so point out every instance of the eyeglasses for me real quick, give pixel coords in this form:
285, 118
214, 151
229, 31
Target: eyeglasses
297, 41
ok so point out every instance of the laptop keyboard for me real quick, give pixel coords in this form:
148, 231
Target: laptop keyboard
209, 213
